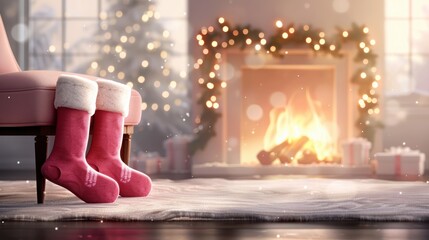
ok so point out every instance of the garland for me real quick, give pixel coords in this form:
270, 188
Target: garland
213, 40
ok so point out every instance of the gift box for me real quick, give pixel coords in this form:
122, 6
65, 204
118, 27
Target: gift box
177, 154
149, 163
355, 152
400, 161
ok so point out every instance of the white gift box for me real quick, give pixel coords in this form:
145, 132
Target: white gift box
355, 152
149, 163
400, 161
177, 154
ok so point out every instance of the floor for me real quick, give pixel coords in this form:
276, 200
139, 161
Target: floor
206, 230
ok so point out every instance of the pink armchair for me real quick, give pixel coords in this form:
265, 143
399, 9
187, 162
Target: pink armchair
27, 108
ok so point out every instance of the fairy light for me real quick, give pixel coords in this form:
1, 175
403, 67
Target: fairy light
291, 30
141, 79
361, 44
374, 100
345, 34
103, 73
165, 94
173, 84
261, 35
216, 67
214, 44
123, 55
235, 33
212, 75
154, 106
215, 105
145, 63
130, 84
167, 107
150, 46
221, 20
121, 75
308, 40
218, 55
210, 85
132, 39
279, 24
248, 41
157, 84
258, 47
273, 48
196, 66
204, 31
332, 47
245, 31
322, 41
374, 84
306, 28
111, 69
213, 98
210, 29
285, 35
225, 28
365, 97
205, 51
143, 106
377, 77
201, 42
372, 42
209, 104
365, 61
365, 30
316, 47
372, 92
52, 48
361, 103
363, 75
106, 48
366, 50
166, 34
231, 42
223, 85
94, 65
376, 110
145, 18
263, 42
370, 111
224, 44
201, 80
124, 39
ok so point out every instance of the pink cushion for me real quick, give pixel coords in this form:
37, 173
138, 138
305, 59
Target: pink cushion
27, 99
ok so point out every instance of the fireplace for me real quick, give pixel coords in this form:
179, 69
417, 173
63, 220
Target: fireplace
301, 99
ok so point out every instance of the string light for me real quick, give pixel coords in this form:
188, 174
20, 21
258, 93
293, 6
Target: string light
285, 35
279, 24
316, 47
221, 20
332, 47
308, 40
345, 34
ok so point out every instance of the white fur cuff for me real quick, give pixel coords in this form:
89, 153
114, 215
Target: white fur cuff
76, 92
113, 97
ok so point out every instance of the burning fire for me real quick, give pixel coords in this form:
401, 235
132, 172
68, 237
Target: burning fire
301, 121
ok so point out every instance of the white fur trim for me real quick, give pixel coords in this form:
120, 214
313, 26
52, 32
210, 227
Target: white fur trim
113, 96
76, 92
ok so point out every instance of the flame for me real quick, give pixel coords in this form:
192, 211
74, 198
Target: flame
301, 117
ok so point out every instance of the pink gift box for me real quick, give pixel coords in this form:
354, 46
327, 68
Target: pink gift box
355, 152
400, 163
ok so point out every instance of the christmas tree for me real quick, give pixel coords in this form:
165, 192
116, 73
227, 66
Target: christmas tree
135, 50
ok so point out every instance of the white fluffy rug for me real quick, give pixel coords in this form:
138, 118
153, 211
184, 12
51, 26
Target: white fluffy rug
302, 199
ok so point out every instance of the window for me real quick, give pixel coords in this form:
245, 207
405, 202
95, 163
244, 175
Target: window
62, 31
406, 50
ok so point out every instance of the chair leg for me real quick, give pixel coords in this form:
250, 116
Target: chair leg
126, 148
41, 147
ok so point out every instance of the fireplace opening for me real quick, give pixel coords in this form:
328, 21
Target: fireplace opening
288, 115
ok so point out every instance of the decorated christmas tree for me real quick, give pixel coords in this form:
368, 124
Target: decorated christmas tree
135, 50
